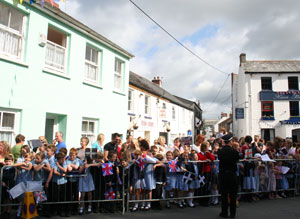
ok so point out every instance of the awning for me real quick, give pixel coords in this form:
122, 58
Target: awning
292, 120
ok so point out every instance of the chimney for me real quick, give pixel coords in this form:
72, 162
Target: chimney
242, 58
157, 81
198, 102
223, 115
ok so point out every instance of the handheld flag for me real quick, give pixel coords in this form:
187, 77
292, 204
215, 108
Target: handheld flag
202, 180
188, 177
172, 166
110, 194
107, 169
248, 153
141, 163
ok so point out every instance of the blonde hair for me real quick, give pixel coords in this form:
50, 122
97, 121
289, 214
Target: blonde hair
100, 138
160, 138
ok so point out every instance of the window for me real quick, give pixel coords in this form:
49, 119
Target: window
164, 106
267, 109
294, 108
11, 32
173, 113
119, 65
130, 100
183, 115
56, 50
266, 83
91, 64
7, 126
268, 134
293, 83
88, 129
147, 105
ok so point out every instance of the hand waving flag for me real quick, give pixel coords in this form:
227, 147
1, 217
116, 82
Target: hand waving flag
107, 169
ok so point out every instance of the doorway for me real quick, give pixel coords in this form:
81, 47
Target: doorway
296, 135
54, 123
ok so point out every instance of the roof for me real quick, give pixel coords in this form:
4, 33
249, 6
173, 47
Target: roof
283, 66
61, 16
147, 85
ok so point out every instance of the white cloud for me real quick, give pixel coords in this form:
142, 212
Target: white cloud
264, 29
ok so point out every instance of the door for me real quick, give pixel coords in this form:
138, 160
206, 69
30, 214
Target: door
50, 128
296, 135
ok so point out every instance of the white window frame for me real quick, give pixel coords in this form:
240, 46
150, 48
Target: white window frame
51, 63
10, 32
118, 73
92, 64
15, 129
131, 101
147, 110
87, 133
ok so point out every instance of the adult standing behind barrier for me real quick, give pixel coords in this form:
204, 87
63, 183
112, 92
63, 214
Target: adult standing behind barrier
228, 180
59, 138
16, 150
112, 146
99, 143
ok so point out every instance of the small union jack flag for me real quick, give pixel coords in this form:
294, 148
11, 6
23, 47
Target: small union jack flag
110, 194
141, 163
107, 169
172, 166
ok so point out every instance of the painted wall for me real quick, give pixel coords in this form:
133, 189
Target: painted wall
245, 90
27, 87
155, 122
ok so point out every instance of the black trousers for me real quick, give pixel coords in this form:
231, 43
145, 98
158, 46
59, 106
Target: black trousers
228, 188
72, 195
156, 194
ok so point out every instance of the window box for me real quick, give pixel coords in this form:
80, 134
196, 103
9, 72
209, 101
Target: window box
267, 118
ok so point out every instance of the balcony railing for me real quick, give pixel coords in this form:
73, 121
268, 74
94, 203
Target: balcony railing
10, 42
55, 57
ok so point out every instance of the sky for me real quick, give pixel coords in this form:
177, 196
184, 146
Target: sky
218, 31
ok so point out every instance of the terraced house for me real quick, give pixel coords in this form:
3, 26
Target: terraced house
56, 74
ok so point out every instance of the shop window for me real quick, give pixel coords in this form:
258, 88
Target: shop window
267, 110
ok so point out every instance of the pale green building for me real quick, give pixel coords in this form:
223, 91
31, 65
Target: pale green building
56, 74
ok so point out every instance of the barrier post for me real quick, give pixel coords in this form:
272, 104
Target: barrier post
123, 192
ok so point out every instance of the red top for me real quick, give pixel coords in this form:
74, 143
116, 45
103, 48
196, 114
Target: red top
243, 148
206, 166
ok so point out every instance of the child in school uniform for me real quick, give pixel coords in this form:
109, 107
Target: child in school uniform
24, 164
86, 185
183, 164
50, 157
195, 184
96, 171
110, 180
8, 182
171, 176
59, 184
73, 164
160, 180
150, 161
40, 169
137, 178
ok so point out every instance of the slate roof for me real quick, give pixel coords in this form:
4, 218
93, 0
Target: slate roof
292, 66
147, 85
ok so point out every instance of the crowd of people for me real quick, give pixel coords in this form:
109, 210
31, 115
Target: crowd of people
146, 171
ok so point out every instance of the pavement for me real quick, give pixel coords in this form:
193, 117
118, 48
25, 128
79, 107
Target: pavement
279, 208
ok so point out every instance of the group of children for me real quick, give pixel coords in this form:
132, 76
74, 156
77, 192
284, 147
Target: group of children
145, 173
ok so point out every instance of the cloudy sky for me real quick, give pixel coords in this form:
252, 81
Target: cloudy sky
217, 31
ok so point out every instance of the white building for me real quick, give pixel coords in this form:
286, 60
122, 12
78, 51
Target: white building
265, 98
154, 112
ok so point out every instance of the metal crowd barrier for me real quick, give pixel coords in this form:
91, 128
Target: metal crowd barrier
124, 190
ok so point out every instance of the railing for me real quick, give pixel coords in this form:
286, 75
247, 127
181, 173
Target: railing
55, 57
123, 194
10, 42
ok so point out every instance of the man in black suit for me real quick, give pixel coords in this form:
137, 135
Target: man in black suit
228, 158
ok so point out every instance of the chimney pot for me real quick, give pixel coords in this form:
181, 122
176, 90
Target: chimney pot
242, 58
